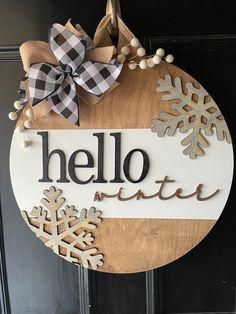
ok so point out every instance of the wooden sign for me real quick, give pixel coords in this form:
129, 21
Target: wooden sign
139, 183
147, 172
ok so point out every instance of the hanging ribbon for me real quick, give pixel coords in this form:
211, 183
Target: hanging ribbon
57, 83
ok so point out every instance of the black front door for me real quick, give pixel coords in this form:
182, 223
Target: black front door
202, 36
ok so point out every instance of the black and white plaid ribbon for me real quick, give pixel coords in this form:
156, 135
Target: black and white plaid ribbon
57, 84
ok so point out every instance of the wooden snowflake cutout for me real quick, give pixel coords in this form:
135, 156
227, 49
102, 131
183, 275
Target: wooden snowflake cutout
64, 231
195, 111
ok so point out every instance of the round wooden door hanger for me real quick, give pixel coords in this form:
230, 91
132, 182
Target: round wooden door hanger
120, 162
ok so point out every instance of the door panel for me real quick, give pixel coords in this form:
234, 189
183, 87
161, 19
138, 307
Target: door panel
204, 280
118, 293
38, 281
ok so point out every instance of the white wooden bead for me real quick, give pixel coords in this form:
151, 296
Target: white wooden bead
135, 42
169, 58
28, 124
29, 113
156, 59
25, 143
132, 65
12, 115
150, 63
125, 50
143, 64
141, 52
18, 105
20, 128
160, 52
121, 58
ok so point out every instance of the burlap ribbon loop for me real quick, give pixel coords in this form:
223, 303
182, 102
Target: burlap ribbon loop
102, 37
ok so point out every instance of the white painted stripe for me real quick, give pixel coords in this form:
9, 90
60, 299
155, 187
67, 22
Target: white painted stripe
214, 170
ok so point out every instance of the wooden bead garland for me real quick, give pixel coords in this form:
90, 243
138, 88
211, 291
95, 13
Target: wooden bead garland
125, 50
141, 59
156, 59
135, 42
28, 124
18, 105
169, 58
150, 63
29, 113
141, 52
132, 65
12, 115
143, 64
160, 52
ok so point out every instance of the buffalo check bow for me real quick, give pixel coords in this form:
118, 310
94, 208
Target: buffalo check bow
57, 83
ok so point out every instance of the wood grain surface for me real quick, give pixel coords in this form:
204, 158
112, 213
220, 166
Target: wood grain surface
134, 245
